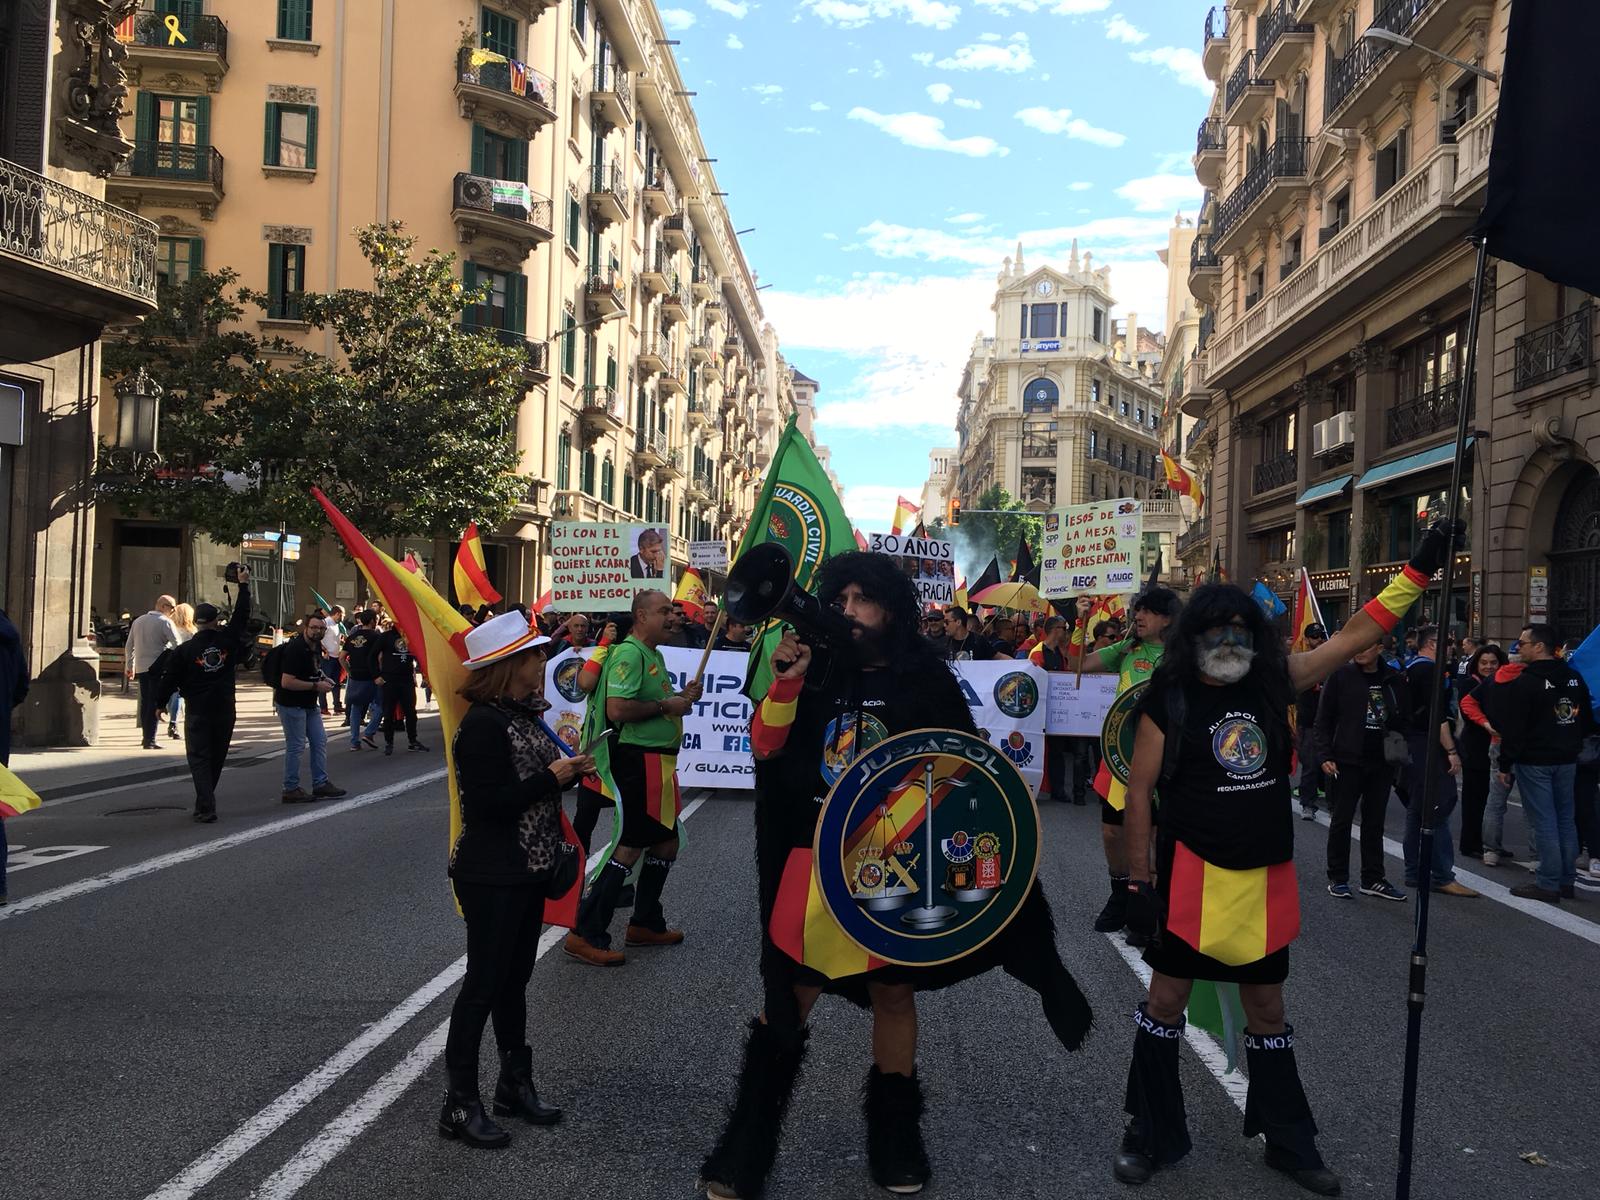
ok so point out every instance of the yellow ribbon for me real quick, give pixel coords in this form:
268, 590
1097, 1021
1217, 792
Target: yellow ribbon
174, 34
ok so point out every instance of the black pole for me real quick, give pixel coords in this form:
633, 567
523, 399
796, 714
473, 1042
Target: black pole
1416, 996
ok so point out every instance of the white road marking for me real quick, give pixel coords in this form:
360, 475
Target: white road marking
1235, 1083
1550, 914
21, 858
161, 862
349, 1124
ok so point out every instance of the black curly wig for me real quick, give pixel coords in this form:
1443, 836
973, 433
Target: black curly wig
882, 581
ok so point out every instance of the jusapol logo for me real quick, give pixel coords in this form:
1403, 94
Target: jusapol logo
1017, 748
1016, 694
1239, 746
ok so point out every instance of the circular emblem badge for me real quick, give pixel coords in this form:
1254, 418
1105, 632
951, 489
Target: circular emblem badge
1116, 735
797, 522
566, 678
927, 847
1239, 746
569, 728
842, 746
1016, 694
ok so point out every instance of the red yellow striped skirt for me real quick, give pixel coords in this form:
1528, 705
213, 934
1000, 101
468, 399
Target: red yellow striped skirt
647, 782
804, 929
1223, 925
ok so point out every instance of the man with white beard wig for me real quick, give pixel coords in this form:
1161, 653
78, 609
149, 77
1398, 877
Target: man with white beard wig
1215, 740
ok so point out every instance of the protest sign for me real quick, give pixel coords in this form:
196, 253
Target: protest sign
1077, 707
1008, 701
930, 562
1093, 549
709, 556
603, 566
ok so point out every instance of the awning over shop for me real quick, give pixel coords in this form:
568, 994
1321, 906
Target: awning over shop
1322, 491
1412, 464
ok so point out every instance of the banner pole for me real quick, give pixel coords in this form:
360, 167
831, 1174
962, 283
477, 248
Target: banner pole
711, 640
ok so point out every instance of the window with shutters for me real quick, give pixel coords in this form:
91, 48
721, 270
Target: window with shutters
627, 491
173, 136
1390, 165
608, 481
574, 224
294, 20
499, 157
504, 305
499, 32
580, 19
586, 472
286, 280
569, 347
178, 258
564, 461
291, 136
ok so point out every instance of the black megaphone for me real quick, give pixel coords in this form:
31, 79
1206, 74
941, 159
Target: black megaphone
761, 587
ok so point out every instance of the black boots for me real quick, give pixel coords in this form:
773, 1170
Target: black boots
647, 912
598, 907
514, 1093
895, 1154
462, 1119
738, 1166
1115, 914
1276, 1107
1158, 1132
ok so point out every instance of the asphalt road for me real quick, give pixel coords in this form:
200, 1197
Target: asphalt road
255, 1008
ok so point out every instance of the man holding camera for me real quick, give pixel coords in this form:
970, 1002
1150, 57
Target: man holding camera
202, 671
300, 685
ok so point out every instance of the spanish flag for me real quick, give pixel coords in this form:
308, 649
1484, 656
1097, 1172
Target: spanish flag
1180, 481
16, 797
436, 634
904, 512
691, 594
804, 929
1235, 917
1307, 612
471, 572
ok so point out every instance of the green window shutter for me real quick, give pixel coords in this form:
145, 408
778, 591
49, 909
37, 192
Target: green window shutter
269, 151
480, 156
519, 161
274, 280
294, 20
197, 256
499, 33
311, 137
517, 304
202, 124
144, 120
569, 349
611, 372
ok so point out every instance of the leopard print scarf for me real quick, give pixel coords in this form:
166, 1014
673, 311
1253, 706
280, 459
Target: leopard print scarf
532, 751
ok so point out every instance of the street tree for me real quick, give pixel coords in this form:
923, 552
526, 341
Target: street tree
996, 524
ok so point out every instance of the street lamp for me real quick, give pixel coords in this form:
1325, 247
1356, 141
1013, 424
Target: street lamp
138, 413
1379, 34
600, 320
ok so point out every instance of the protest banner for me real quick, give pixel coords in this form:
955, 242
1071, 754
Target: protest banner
1008, 700
709, 556
595, 566
930, 562
1093, 549
1077, 708
716, 733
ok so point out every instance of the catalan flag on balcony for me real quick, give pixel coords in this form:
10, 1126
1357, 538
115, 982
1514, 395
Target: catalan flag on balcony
519, 78
471, 571
1235, 917
1180, 481
904, 512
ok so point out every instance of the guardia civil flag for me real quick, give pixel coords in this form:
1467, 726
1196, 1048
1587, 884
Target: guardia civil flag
1307, 611
1180, 481
691, 594
799, 510
16, 797
904, 511
472, 572
436, 633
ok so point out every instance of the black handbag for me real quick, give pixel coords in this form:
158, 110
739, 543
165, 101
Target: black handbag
1395, 751
558, 880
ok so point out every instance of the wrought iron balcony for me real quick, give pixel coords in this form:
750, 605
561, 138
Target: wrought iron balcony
608, 194
1217, 24
1430, 412
1246, 96
613, 95
1196, 432
1196, 536
504, 210
1280, 38
603, 292
490, 86
650, 447
670, 467
1348, 76
1214, 49
174, 160
675, 231
703, 281
177, 42
1205, 266
1555, 349
660, 194
602, 407
673, 382
676, 305
1276, 472
698, 414
1285, 160
535, 354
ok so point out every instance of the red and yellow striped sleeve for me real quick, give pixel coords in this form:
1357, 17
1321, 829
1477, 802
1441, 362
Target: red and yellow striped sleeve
774, 716
1391, 604
590, 672
1036, 655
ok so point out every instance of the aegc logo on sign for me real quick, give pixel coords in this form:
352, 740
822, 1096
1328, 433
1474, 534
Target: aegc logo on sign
1084, 581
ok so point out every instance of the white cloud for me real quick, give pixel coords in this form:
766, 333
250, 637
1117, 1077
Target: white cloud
940, 93
1013, 58
878, 70
1081, 185
1061, 120
1161, 193
968, 218
870, 506
1120, 29
1123, 237
1182, 62
733, 42
801, 129
730, 7
933, 14
1062, 8
818, 106
926, 132
962, 102
767, 91
676, 20
1073, 8
989, 37
924, 58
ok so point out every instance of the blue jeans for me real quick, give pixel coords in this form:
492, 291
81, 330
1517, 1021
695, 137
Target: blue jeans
360, 695
1548, 806
302, 725
330, 668
1494, 815
1444, 857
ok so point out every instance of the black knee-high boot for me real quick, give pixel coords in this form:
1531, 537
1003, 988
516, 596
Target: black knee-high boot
1276, 1107
598, 907
895, 1153
742, 1158
587, 815
1158, 1131
647, 913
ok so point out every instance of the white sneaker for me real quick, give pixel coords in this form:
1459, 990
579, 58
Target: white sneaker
1594, 869
1491, 858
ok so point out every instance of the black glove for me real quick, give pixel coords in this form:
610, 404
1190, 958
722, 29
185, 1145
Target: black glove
1433, 551
1144, 909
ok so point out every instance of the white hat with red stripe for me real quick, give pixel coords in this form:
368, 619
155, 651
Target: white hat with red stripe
501, 637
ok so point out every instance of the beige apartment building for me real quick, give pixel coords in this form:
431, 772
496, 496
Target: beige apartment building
1343, 170
70, 264
1055, 406
552, 147
1180, 434
937, 489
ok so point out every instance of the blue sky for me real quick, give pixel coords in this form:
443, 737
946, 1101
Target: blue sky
891, 152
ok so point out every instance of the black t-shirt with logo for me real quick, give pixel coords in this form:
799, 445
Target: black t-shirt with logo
1229, 798
1375, 722
395, 661
361, 650
299, 659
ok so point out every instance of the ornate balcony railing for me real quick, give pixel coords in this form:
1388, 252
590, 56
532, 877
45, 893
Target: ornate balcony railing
533, 352
67, 230
1198, 533
1243, 77
1216, 24
1430, 412
510, 78
1202, 253
1208, 326
1273, 24
200, 33
1346, 74
1210, 136
608, 77
1563, 345
603, 400
1284, 159
1195, 434
609, 179
1276, 472
173, 160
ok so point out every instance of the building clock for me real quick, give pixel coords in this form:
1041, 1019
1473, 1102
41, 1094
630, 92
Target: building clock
1044, 287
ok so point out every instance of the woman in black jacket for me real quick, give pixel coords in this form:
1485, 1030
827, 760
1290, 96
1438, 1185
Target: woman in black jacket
509, 857
1474, 741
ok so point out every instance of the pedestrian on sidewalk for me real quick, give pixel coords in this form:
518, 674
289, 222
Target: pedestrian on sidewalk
1050, 654
1359, 704
509, 857
1543, 714
397, 683
360, 661
332, 644
300, 682
1475, 740
183, 621
1423, 675
201, 671
13, 690
149, 637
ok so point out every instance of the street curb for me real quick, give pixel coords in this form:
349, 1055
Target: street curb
174, 769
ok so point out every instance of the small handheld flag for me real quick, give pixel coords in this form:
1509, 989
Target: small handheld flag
691, 594
471, 571
904, 511
1264, 596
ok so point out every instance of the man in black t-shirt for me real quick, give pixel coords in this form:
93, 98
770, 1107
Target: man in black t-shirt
397, 684
299, 685
361, 694
1422, 676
